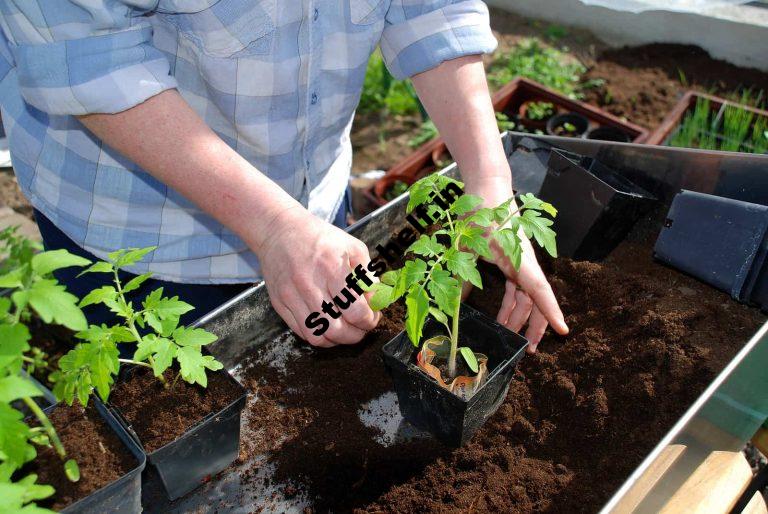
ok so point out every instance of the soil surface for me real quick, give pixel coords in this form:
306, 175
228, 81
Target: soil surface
581, 413
55, 341
161, 415
100, 455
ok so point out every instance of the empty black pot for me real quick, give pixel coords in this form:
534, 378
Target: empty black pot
607, 133
432, 408
123, 496
720, 241
596, 206
204, 450
579, 122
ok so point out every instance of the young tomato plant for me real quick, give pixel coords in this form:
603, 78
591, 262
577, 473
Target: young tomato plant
153, 329
432, 280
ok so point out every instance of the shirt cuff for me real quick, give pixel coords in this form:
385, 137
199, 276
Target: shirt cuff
424, 42
100, 74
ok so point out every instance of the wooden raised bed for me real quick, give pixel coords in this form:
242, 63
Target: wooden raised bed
688, 101
425, 159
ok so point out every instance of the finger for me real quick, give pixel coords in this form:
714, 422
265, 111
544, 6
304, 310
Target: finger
297, 306
341, 332
521, 312
544, 298
287, 314
537, 325
357, 312
507, 303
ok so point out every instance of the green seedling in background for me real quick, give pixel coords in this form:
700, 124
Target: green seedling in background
432, 280
539, 110
94, 363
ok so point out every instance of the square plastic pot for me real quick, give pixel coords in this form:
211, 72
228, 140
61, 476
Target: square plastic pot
720, 241
123, 496
430, 407
597, 207
202, 451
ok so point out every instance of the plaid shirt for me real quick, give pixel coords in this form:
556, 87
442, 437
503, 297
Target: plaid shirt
278, 80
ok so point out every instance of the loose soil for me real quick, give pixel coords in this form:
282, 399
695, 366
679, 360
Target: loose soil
99, 453
161, 415
581, 413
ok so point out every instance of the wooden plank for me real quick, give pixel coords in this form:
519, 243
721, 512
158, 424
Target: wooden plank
650, 478
756, 505
714, 487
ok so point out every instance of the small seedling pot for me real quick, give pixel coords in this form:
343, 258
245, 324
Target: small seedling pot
597, 207
123, 496
559, 120
608, 134
522, 114
720, 241
429, 406
201, 452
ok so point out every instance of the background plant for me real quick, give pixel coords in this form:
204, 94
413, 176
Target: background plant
383, 93
153, 328
441, 262
539, 110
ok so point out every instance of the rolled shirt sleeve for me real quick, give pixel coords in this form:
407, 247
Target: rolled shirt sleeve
421, 34
76, 57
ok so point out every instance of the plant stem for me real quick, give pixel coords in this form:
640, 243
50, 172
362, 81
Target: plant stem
454, 335
137, 363
47, 426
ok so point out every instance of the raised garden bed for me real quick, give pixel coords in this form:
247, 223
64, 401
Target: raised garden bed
511, 100
715, 138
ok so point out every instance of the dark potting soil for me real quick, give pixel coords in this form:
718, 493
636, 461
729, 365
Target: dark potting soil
580, 415
161, 415
54, 341
100, 455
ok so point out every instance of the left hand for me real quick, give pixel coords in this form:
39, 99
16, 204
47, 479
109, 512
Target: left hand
528, 297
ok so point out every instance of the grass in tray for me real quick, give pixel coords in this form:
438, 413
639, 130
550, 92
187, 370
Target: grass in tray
733, 130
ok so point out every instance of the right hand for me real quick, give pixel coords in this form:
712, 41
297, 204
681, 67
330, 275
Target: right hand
305, 261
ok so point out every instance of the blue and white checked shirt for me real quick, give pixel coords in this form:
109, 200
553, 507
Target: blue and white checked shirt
278, 80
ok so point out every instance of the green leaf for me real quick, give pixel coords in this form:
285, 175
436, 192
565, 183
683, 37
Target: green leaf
426, 246
463, 264
196, 337
100, 295
534, 225
419, 193
15, 387
44, 263
13, 278
439, 315
417, 307
53, 303
165, 307
136, 282
193, 364
72, 470
412, 273
382, 296
465, 204
469, 358
510, 244
16, 497
123, 258
390, 277
98, 267
474, 239
531, 202
444, 289
15, 449
483, 217
90, 365
14, 341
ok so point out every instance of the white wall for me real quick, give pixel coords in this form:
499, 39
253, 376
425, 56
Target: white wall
738, 34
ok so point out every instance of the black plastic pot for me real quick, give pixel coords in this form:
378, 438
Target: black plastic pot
720, 241
577, 120
606, 133
529, 159
430, 407
123, 496
597, 207
204, 450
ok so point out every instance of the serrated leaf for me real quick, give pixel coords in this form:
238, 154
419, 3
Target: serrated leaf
465, 204
483, 217
91, 365
419, 193
535, 225
196, 337
531, 202
15, 387
72, 470
53, 303
510, 244
193, 364
444, 289
463, 264
412, 272
98, 267
99, 295
501, 212
13, 278
474, 239
469, 358
390, 277
17, 497
439, 315
426, 246
131, 256
14, 341
44, 263
160, 349
382, 296
136, 282
14, 436
167, 307
417, 308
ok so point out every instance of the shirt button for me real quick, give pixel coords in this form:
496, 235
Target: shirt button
314, 98
315, 14
307, 163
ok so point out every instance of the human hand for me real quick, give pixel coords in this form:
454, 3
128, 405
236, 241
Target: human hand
528, 297
305, 263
